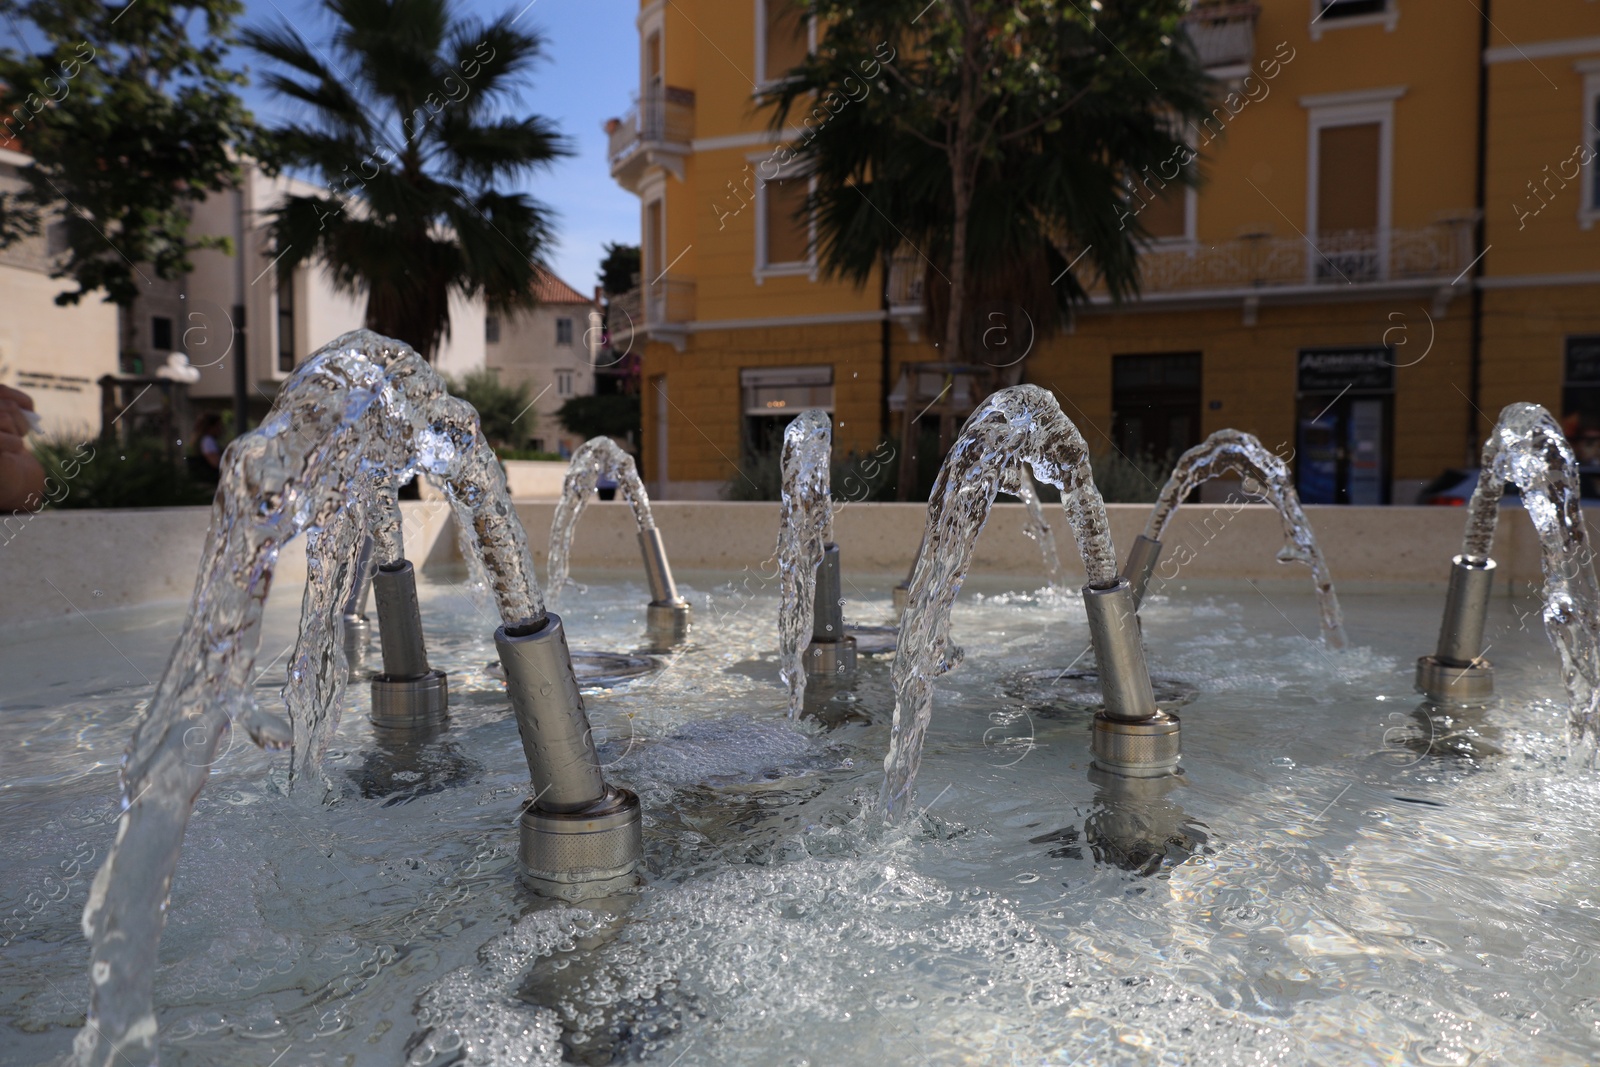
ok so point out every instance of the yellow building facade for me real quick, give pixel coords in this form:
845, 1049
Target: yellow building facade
1394, 238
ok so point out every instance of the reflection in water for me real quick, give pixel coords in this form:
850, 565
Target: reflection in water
1135, 824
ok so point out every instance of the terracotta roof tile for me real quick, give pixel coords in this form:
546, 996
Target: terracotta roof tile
552, 290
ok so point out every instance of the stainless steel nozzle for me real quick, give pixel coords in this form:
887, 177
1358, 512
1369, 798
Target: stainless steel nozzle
1114, 632
550, 716
1140, 565
1457, 674
668, 616
408, 695
832, 651
579, 838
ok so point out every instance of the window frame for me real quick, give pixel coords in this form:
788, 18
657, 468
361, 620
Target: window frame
1351, 109
1589, 191
565, 376
1388, 18
491, 329
764, 268
763, 80
564, 321
171, 334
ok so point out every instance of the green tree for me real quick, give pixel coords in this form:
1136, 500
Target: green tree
619, 270
616, 415
505, 412
128, 115
1001, 140
407, 126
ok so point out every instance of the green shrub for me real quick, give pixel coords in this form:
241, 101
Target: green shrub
100, 474
614, 415
504, 412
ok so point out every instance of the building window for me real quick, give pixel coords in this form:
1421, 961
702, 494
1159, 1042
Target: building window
56, 238
654, 239
1337, 13
783, 38
285, 319
1343, 9
783, 229
161, 333
1155, 404
1589, 183
1580, 401
563, 383
491, 329
563, 331
1351, 152
773, 396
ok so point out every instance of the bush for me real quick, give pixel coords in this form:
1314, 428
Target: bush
101, 474
616, 415
504, 412
854, 477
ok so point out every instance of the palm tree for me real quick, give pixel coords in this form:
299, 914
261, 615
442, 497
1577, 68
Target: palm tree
405, 125
1008, 143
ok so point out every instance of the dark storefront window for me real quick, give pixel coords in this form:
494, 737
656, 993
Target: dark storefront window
1580, 406
1345, 418
1155, 403
773, 396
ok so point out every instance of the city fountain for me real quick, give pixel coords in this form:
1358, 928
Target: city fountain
1306, 891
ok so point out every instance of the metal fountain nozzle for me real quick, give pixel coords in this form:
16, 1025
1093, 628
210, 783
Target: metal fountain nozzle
1141, 564
1457, 674
668, 617
1131, 737
832, 651
580, 838
357, 627
408, 695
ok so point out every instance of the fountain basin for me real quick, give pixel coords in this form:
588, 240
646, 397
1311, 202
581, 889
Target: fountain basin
1321, 884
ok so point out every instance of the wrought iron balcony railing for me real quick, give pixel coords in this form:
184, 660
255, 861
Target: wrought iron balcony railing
1223, 35
663, 303
663, 117
1376, 257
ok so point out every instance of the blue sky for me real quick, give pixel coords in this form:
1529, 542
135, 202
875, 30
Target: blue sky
590, 74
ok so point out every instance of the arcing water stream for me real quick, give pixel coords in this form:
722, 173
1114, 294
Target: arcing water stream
358, 418
1529, 450
595, 457
1236, 452
1022, 424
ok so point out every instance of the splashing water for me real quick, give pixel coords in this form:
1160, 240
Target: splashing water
1529, 450
805, 525
361, 416
1039, 529
595, 457
1235, 452
1022, 424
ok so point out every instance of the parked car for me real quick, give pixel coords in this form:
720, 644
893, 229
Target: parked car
1454, 488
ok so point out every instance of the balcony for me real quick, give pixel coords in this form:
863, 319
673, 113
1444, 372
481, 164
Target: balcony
1430, 257
1223, 35
655, 132
660, 309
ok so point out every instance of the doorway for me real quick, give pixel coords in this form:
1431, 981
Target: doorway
1155, 404
1344, 425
